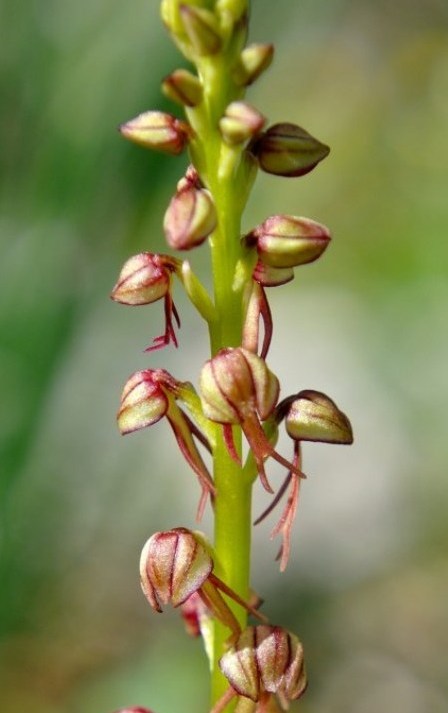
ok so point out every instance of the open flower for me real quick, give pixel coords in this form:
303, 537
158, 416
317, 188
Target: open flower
147, 397
147, 278
238, 388
175, 565
265, 661
309, 416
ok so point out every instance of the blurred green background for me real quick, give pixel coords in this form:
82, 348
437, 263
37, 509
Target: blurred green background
367, 586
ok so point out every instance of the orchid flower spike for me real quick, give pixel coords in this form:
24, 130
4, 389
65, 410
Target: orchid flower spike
177, 564
147, 278
238, 388
147, 397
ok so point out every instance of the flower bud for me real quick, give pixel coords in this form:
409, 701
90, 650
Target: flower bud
236, 384
157, 130
202, 29
183, 87
144, 278
272, 276
143, 401
285, 241
313, 416
265, 659
254, 60
288, 150
235, 8
173, 565
190, 217
240, 123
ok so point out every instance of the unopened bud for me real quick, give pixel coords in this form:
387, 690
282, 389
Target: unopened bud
143, 401
313, 416
157, 130
254, 60
288, 150
143, 279
240, 122
190, 217
285, 241
265, 659
183, 87
173, 565
202, 29
272, 276
235, 8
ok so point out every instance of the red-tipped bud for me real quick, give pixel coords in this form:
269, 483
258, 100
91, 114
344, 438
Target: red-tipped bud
173, 565
191, 215
288, 150
202, 29
183, 87
240, 123
157, 130
272, 276
285, 241
254, 60
313, 416
144, 278
265, 659
237, 384
143, 401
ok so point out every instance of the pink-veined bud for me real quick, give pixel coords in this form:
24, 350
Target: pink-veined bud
235, 384
286, 241
143, 279
157, 130
175, 565
272, 276
143, 401
254, 60
265, 660
240, 123
191, 215
288, 150
183, 87
238, 388
313, 416
202, 29
146, 278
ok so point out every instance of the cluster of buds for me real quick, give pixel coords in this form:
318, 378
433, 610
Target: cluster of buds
228, 140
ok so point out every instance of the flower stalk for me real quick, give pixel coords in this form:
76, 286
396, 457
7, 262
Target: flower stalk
237, 403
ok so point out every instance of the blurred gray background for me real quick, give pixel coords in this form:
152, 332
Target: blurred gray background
366, 588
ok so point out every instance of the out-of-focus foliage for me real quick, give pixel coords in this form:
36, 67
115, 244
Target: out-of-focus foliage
366, 587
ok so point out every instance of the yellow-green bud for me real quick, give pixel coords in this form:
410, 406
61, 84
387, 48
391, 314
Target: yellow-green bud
183, 87
202, 29
288, 150
254, 60
313, 416
288, 241
240, 122
235, 8
157, 130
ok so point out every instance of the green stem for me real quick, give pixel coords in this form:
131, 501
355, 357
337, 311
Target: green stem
219, 165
